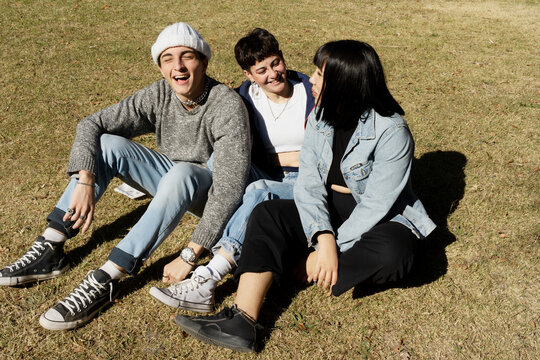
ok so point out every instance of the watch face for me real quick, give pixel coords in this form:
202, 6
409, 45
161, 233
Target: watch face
188, 254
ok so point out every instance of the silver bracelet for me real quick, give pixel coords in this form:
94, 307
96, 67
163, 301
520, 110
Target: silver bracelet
92, 185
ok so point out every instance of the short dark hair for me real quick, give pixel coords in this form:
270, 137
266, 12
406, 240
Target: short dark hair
353, 82
256, 46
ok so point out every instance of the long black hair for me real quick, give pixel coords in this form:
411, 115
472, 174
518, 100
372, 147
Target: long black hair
353, 82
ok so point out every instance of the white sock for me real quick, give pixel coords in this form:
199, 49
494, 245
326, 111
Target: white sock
219, 266
111, 269
53, 235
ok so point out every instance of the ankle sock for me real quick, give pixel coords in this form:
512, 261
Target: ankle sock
54, 236
111, 269
219, 266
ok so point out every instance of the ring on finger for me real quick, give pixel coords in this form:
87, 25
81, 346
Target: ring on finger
82, 217
70, 211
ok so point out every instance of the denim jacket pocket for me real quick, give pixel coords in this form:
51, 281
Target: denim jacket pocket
357, 176
322, 167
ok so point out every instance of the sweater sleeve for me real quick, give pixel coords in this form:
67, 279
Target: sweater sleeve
231, 161
131, 117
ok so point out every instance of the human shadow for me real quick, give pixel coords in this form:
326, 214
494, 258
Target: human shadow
278, 300
438, 179
116, 229
148, 273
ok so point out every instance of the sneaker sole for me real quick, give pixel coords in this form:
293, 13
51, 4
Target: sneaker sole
181, 304
20, 280
188, 327
58, 325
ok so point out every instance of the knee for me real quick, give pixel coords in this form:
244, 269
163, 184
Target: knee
257, 185
181, 178
395, 262
265, 207
110, 145
256, 195
269, 214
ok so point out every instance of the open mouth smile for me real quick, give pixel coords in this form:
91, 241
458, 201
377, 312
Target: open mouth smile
275, 82
181, 79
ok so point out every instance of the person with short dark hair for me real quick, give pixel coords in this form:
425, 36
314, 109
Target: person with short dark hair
194, 117
354, 218
278, 101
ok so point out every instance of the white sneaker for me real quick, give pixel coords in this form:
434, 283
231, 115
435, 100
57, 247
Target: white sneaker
194, 294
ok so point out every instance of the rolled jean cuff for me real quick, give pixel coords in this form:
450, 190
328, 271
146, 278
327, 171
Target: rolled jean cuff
231, 247
56, 222
126, 261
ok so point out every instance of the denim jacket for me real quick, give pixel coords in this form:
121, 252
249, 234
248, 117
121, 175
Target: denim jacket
376, 167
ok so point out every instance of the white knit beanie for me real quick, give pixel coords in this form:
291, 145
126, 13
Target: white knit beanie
179, 34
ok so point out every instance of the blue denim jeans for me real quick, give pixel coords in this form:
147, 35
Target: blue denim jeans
257, 192
175, 188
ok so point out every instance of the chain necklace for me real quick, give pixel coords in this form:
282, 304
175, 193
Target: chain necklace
284, 107
194, 103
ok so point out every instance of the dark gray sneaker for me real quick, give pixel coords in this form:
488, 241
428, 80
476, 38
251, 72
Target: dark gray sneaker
95, 292
44, 260
230, 328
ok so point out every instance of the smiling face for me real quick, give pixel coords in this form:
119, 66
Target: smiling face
184, 70
271, 75
317, 80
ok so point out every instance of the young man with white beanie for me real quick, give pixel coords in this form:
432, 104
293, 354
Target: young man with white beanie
193, 117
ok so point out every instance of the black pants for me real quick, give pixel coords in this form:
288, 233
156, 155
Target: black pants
275, 241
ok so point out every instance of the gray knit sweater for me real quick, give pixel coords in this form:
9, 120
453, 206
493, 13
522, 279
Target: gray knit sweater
219, 125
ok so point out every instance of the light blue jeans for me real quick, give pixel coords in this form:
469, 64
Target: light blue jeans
175, 188
257, 192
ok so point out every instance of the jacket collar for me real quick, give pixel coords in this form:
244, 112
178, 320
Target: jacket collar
366, 126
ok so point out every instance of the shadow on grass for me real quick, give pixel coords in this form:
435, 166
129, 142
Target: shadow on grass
149, 273
438, 179
277, 301
116, 229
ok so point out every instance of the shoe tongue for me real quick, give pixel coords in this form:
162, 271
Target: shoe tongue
101, 276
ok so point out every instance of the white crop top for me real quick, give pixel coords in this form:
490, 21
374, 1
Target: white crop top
284, 123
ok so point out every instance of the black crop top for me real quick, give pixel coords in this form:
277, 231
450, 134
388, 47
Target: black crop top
341, 140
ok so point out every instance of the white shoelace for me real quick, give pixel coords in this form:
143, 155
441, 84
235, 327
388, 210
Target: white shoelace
29, 256
187, 285
89, 289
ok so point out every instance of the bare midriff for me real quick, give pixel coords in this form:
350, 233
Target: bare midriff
340, 189
285, 159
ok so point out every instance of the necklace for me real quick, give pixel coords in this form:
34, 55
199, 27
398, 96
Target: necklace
284, 107
194, 103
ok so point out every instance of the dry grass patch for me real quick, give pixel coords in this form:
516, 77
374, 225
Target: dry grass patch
466, 73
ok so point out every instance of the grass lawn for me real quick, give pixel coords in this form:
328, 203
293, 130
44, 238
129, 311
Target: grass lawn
467, 74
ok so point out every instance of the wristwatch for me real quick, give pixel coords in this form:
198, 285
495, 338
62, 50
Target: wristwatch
188, 256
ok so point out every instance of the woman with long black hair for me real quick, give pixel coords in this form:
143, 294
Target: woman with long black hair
354, 218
